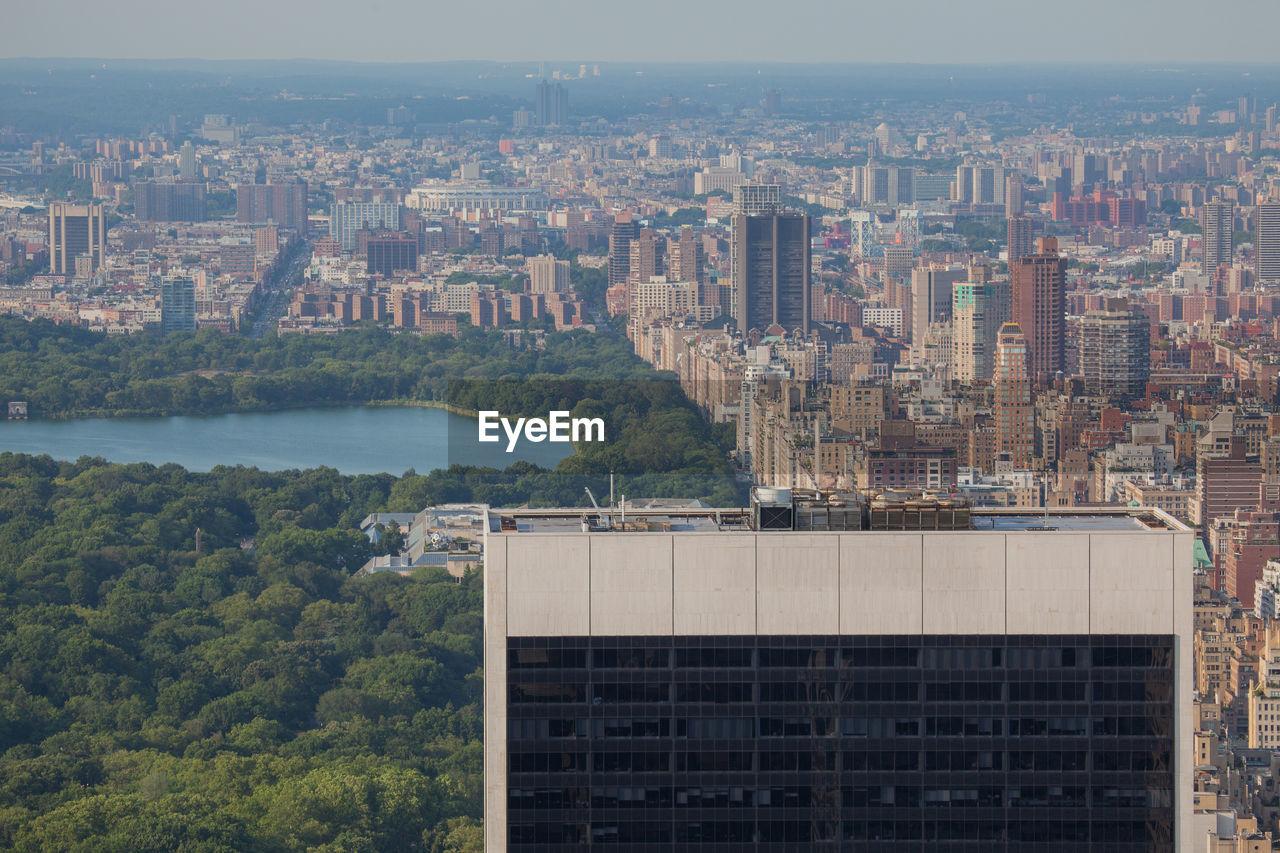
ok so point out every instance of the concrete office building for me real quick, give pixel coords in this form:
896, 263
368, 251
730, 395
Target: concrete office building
715, 680
75, 230
770, 260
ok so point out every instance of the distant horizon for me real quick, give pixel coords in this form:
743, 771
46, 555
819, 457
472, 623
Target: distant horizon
1093, 64
929, 32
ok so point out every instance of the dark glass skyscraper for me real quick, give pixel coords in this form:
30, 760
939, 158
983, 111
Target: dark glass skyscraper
770, 258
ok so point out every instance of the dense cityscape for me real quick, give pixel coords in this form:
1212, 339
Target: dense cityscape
1010, 303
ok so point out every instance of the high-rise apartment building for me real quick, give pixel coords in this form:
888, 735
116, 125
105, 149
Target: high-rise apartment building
1266, 243
169, 201
187, 163
735, 680
1039, 282
75, 230
348, 217
1020, 243
978, 310
283, 203
687, 258
621, 233
1014, 189
177, 305
769, 256
1217, 225
1014, 409
548, 274
1115, 351
648, 256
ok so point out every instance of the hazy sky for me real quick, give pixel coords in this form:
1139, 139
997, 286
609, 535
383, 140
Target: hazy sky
1173, 31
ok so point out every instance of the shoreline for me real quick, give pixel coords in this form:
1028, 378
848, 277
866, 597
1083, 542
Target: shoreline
105, 414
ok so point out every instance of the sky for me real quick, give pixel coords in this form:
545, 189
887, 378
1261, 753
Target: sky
928, 31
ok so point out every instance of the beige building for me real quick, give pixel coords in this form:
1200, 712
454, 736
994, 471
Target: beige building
624, 657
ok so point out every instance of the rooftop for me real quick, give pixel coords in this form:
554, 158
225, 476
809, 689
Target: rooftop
739, 519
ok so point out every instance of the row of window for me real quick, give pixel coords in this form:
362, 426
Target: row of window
848, 796
733, 657
1152, 834
747, 761
742, 728
729, 692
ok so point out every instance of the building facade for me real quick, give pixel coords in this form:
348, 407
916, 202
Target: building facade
348, 217
75, 231
1039, 308
771, 271
1115, 352
709, 686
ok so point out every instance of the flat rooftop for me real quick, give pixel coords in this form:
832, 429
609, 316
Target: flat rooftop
738, 519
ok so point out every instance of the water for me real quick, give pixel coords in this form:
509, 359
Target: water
354, 440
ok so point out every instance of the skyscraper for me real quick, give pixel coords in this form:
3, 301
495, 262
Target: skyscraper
1217, 224
1266, 243
648, 256
621, 233
931, 296
687, 258
770, 268
1019, 237
177, 305
1014, 410
737, 680
75, 230
1115, 351
187, 161
978, 310
551, 104
1039, 307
